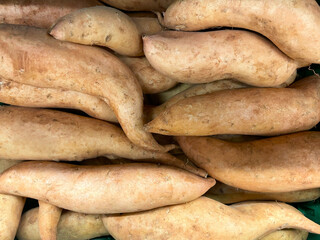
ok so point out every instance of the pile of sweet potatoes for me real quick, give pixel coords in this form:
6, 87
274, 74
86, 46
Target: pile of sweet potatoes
153, 102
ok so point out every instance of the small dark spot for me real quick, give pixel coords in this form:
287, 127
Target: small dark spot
108, 38
121, 29
49, 96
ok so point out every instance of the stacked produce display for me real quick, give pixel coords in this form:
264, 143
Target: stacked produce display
158, 120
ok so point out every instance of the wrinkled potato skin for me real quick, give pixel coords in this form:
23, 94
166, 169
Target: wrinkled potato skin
18, 94
150, 80
250, 111
103, 189
49, 216
227, 195
209, 218
278, 164
72, 226
140, 5
292, 25
288, 234
39, 13
30, 56
103, 26
202, 57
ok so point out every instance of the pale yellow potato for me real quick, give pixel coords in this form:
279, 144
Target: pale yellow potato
205, 218
150, 80
288, 234
72, 226
41, 134
247, 111
30, 56
202, 57
49, 216
147, 25
279, 164
227, 194
39, 13
140, 5
103, 26
293, 26
104, 189
24, 95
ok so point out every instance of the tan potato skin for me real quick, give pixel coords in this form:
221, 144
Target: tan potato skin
100, 25
24, 95
227, 194
202, 57
72, 226
292, 25
288, 234
250, 111
205, 218
103, 189
41, 134
30, 56
39, 13
151, 81
147, 25
279, 164
49, 216
140, 5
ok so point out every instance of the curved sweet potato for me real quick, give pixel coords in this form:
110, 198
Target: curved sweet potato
140, 5
30, 56
103, 189
39, 13
202, 57
279, 164
250, 111
209, 218
293, 26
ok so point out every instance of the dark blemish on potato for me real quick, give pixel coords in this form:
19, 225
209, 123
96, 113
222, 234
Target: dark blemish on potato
49, 96
108, 38
121, 29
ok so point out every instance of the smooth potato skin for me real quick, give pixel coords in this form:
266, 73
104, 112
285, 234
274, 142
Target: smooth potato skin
39, 13
49, 216
103, 26
250, 111
279, 164
202, 57
207, 218
30, 56
147, 25
103, 189
292, 25
140, 5
72, 226
24, 95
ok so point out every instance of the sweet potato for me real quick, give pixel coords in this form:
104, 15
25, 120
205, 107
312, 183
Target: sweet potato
103, 189
103, 26
227, 194
41, 134
287, 234
30, 56
147, 25
49, 216
279, 164
150, 80
209, 219
293, 26
202, 57
250, 111
72, 226
28, 96
140, 5
39, 13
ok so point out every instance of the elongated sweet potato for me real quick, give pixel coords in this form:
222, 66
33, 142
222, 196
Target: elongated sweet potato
103, 189
227, 194
150, 80
39, 13
30, 56
140, 5
49, 216
279, 164
103, 26
202, 57
207, 218
251, 111
72, 226
40, 134
28, 96
294, 26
